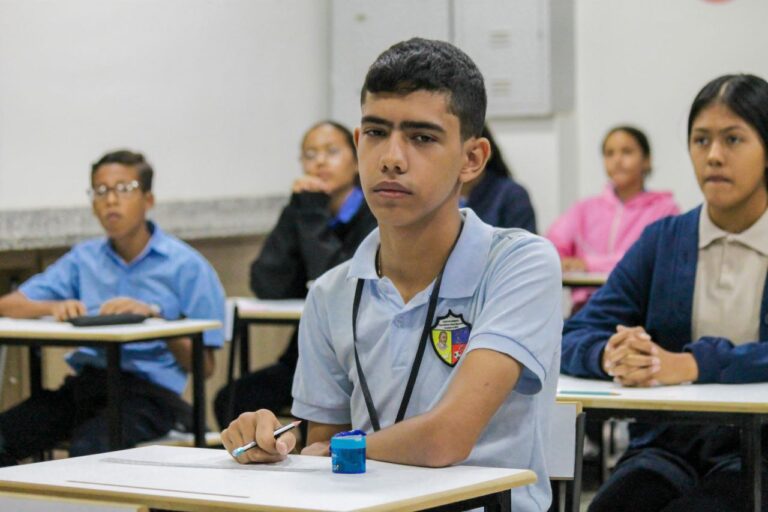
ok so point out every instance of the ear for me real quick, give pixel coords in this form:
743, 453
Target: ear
477, 151
149, 200
356, 135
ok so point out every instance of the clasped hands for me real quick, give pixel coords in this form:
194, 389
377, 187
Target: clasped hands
633, 359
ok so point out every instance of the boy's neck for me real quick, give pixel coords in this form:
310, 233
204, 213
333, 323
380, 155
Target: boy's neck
412, 256
131, 245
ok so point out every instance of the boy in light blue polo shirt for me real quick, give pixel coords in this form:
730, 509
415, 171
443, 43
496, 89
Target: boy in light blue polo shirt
136, 268
441, 337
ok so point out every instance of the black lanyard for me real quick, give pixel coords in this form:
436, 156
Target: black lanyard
419, 352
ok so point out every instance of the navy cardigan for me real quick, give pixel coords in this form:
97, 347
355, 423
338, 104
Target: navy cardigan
502, 202
653, 286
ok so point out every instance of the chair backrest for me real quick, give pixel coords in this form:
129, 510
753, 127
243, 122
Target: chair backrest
19, 502
565, 442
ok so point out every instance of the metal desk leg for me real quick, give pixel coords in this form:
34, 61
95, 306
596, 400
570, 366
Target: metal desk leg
751, 459
245, 358
114, 397
233, 348
35, 370
198, 390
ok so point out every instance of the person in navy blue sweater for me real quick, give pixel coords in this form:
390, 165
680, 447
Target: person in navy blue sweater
689, 303
496, 198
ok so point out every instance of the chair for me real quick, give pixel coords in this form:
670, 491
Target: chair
564, 456
18, 502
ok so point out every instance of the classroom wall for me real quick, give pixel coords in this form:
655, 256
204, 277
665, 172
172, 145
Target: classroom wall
215, 92
643, 62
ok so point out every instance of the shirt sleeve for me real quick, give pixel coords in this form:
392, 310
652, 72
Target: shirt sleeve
562, 233
60, 281
321, 387
522, 313
201, 296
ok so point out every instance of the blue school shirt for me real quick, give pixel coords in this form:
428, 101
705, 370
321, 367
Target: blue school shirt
506, 284
168, 273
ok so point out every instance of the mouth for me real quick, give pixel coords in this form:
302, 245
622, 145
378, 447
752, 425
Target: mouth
391, 190
112, 217
717, 179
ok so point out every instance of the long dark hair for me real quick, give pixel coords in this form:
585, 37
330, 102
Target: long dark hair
496, 164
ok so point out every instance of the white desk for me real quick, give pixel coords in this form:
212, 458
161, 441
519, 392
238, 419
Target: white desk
741, 405
36, 333
195, 479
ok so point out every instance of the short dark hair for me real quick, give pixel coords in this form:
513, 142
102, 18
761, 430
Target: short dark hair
131, 159
745, 95
425, 64
635, 133
496, 164
349, 139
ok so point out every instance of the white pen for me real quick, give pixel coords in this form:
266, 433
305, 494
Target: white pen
277, 433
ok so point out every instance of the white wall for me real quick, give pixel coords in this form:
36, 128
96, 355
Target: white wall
644, 61
216, 93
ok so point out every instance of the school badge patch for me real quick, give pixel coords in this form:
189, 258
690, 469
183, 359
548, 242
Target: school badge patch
450, 335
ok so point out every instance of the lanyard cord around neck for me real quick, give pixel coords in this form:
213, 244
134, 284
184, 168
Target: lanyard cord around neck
433, 296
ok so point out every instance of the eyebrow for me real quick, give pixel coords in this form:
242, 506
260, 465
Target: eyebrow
405, 125
726, 129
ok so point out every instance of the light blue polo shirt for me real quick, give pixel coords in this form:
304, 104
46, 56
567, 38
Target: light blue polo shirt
168, 273
506, 283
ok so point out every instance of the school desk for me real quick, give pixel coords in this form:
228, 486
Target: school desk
42, 332
198, 479
741, 405
249, 311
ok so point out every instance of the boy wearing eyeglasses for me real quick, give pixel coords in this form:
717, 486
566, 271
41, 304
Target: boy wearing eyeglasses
135, 268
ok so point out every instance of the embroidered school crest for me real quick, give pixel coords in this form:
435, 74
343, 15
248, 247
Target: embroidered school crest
450, 335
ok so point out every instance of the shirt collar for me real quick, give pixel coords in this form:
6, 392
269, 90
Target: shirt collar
158, 242
755, 237
349, 208
465, 265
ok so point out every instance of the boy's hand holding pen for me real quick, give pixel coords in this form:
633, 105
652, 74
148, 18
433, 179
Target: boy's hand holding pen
259, 437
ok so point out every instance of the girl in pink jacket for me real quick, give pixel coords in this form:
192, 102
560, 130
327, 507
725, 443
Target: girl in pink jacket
594, 234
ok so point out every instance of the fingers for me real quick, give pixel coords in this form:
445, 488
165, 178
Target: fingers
309, 184
319, 449
121, 305
67, 309
257, 426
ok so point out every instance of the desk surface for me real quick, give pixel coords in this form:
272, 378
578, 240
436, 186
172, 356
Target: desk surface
49, 329
258, 309
197, 479
584, 278
724, 398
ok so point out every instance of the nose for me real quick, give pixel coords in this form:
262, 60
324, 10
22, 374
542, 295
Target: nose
393, 159
715, 154
111, 197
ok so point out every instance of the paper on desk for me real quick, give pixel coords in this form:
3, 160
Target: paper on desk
221, 460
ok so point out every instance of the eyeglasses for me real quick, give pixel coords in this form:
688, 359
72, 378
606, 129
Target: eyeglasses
313, 154
121, 189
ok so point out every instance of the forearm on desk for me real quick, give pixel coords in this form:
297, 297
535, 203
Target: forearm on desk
447, 434
17, 305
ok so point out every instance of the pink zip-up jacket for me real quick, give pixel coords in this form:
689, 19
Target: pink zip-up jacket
600, 229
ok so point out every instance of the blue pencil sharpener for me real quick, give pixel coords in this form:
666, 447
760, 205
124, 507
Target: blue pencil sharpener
348, 452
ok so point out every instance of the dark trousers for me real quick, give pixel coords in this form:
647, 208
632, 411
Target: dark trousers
655, 479
268, 388
77, 412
